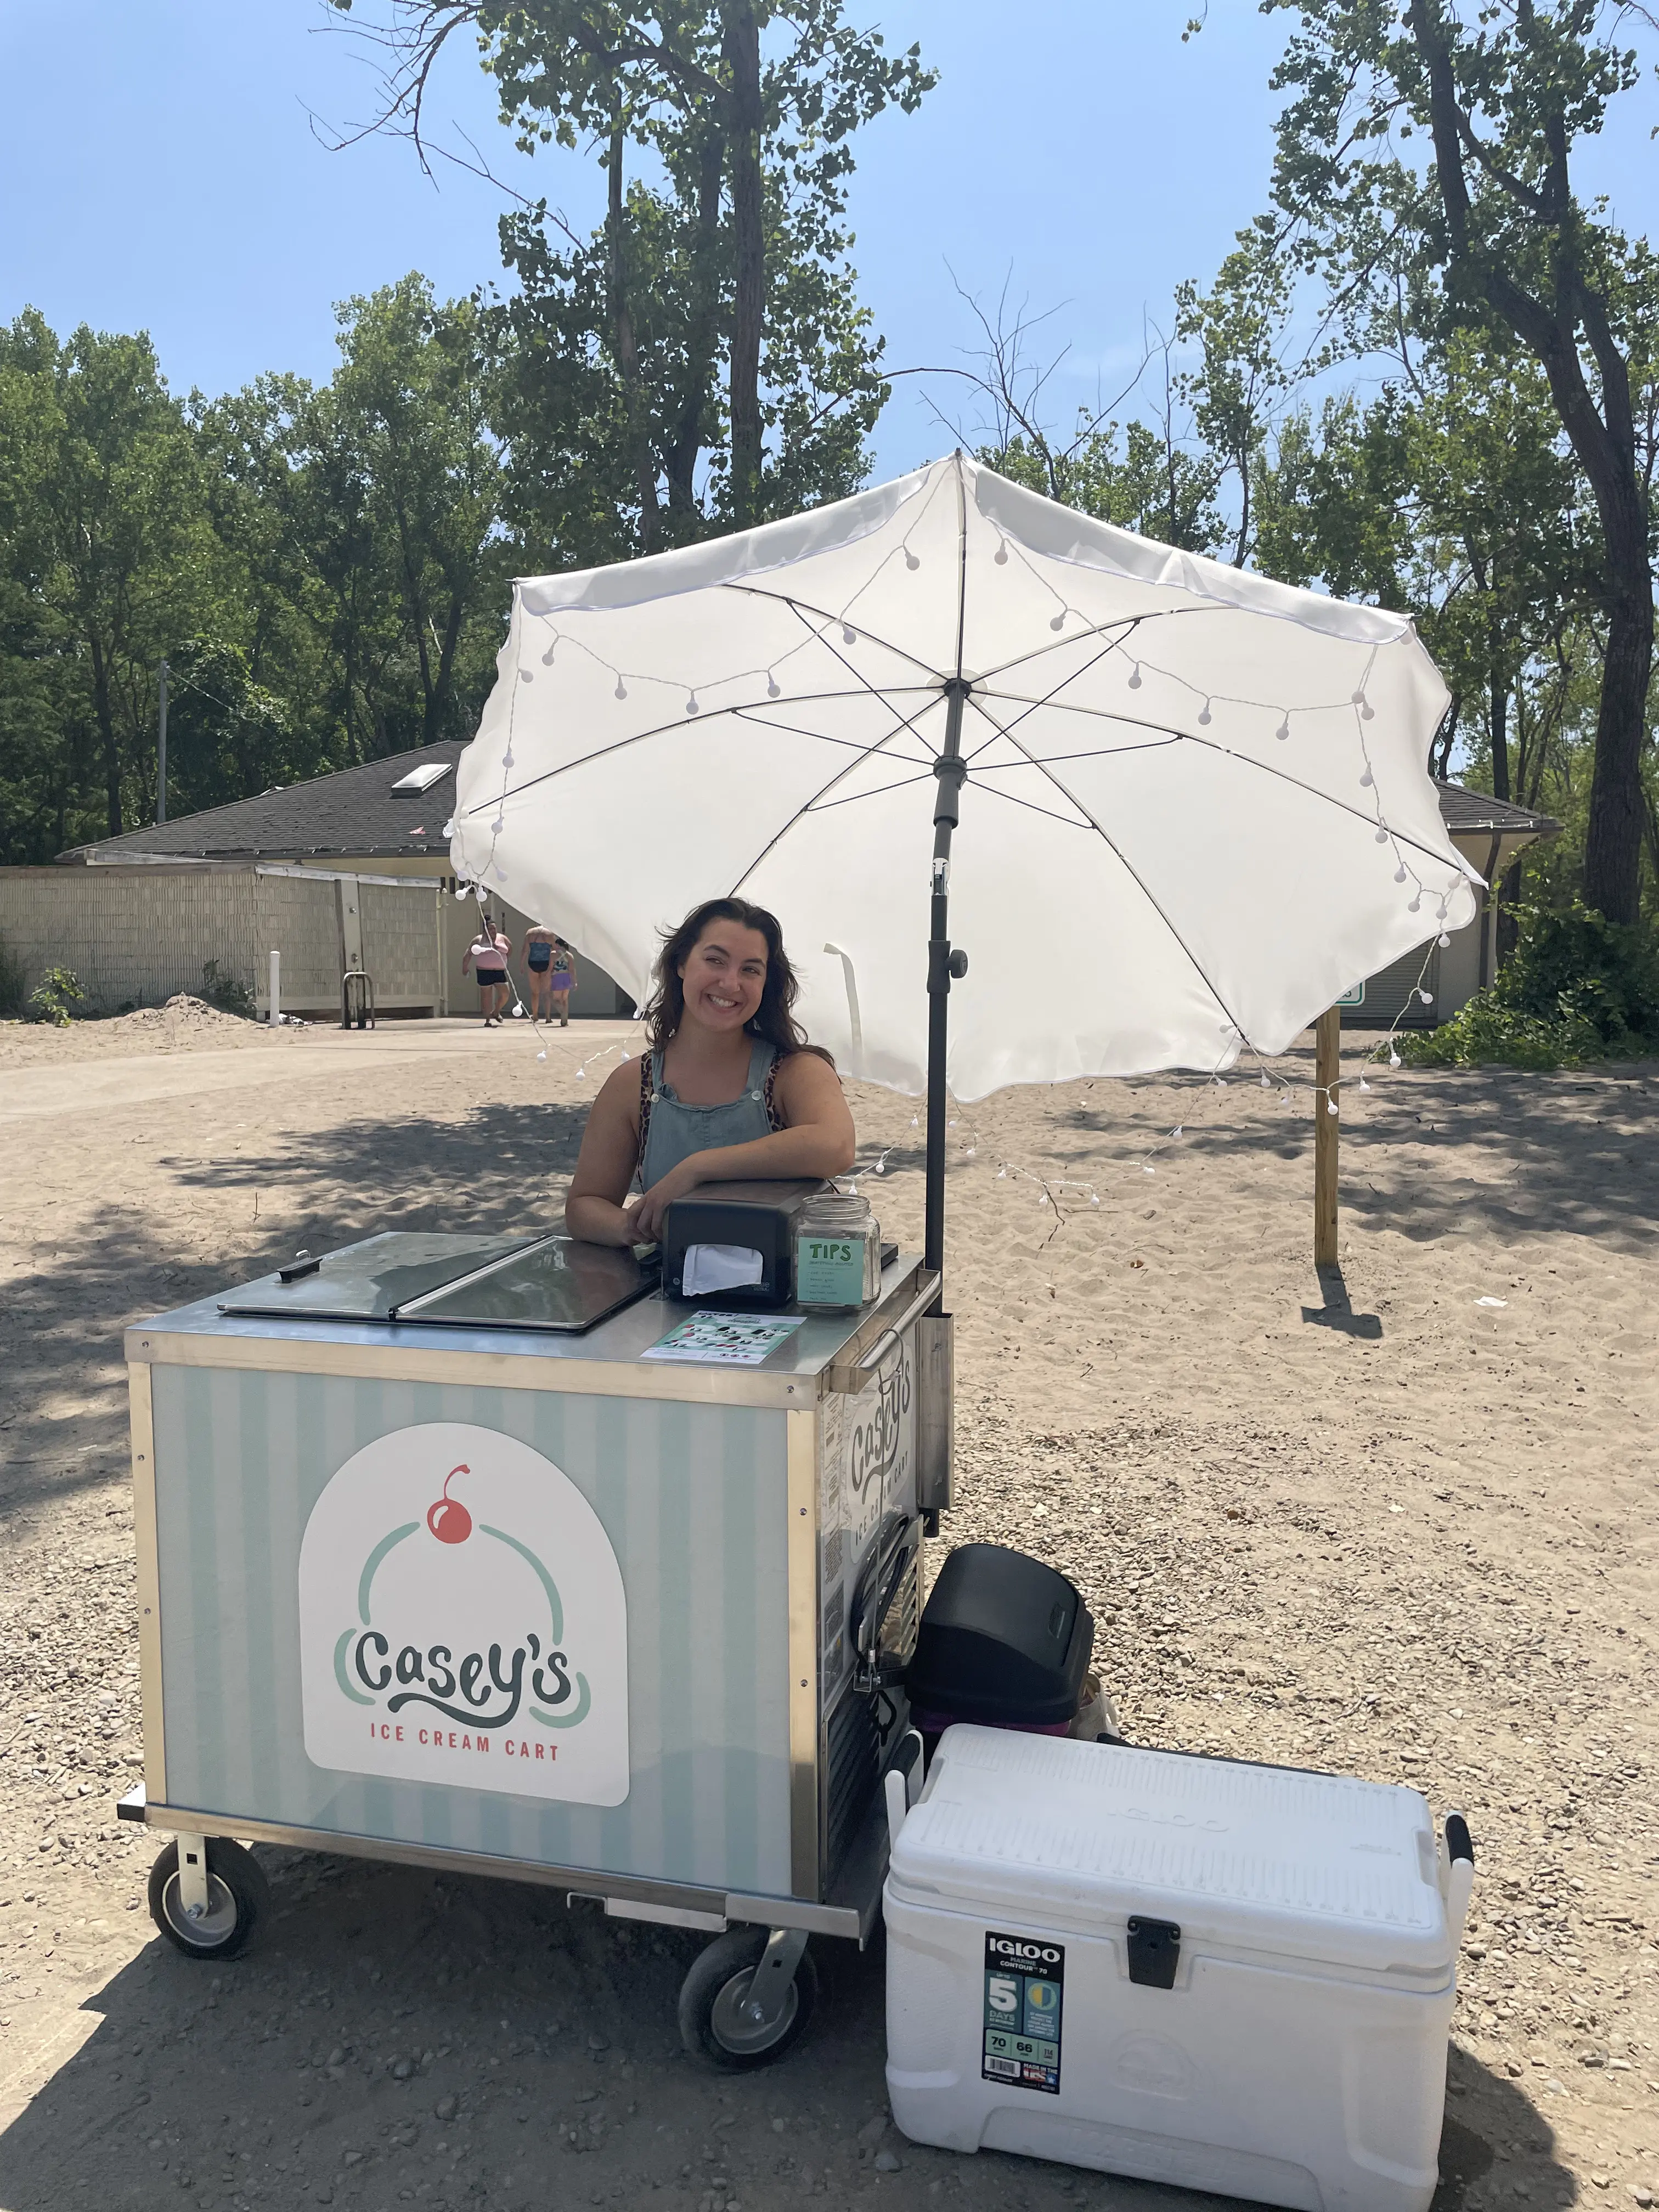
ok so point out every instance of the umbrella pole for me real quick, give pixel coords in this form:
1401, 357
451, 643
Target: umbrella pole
943, 967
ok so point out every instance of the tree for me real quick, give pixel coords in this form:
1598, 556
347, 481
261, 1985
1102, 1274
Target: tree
110, 556
744, 108
1490, 224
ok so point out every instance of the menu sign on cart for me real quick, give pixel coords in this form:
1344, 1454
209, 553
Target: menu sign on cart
462, 1621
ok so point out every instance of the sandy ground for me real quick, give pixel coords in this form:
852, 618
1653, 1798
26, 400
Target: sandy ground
1399, 1522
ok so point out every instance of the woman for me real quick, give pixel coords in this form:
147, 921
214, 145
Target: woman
537, 953
729, 1088
486, 956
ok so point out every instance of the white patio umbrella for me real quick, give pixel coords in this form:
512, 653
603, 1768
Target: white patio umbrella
1194, 805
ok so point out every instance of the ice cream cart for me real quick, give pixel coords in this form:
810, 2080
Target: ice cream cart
447, 1557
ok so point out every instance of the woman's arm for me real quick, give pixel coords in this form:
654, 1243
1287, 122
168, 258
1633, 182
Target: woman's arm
817, 1139
593, 1208
466, 959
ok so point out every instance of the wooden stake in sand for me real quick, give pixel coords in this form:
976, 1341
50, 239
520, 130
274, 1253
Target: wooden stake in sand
1327, 1068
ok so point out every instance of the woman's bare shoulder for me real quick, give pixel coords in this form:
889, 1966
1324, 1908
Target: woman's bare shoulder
804, 1077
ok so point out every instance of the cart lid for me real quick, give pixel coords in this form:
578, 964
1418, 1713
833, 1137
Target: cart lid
1075, 1836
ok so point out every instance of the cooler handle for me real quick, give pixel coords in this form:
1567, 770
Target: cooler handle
1460, 1872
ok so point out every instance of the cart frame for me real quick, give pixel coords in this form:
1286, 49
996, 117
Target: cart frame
849, 1904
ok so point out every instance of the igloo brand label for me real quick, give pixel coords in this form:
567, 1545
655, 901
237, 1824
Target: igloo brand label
462, 1621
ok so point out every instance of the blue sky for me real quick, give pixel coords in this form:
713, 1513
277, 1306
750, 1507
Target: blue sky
160, 170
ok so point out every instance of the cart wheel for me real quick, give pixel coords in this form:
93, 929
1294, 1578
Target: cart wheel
239, 1898
713, 2022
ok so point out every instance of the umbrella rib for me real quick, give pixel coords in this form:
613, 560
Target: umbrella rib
772, 842
1131, 872
1127, 623
1209, 745
853, 797
745, 709
804, 607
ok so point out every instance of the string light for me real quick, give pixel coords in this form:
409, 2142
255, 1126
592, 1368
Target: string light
1284, 729
1204, 715
911, 560
691, 706
1382, 834
849, 635
1059, 621
621, 691
772, 685
1365, 781
1000, 557
547, 658
1134, 678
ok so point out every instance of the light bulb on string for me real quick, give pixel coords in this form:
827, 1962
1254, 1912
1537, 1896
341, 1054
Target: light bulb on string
1134, 678
498, 825
773, 687
525, 676
1266, 1085
1059, 621
1204, 715
1284, 729
1330, 1103
1394, 1057
1427, 997
691, 706
911, 560
1443, 940
621, 691
1412, 905
1364, 1085
1000, 557
1399, 873
849, 635
507, 758
1382, 834
547, 658
541, 1055
1365, 781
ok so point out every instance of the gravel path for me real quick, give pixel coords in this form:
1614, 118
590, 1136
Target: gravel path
1403, 1537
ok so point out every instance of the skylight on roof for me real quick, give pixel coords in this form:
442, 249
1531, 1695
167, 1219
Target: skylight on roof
424, 778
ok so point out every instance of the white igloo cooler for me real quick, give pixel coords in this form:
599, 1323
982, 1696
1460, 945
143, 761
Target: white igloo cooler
1231, 1977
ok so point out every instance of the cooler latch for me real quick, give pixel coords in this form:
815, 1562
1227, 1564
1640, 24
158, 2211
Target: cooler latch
1154, 1953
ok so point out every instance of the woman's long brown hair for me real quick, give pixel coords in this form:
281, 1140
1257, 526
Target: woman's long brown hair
773, 1020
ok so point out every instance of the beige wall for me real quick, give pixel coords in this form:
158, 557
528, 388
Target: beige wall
131, 936
135, 936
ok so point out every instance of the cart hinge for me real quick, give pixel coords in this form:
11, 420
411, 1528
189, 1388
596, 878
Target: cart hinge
1154, 1953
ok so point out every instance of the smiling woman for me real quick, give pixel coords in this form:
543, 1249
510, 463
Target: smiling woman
729, 1088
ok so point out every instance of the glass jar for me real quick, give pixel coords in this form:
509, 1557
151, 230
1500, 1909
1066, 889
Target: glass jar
837, 1253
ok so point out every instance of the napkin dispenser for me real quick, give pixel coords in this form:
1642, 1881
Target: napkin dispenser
735, 1242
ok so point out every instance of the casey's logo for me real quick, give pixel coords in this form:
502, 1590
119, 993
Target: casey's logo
481, 1688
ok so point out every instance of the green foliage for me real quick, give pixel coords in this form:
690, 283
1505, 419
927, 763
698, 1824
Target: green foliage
54, 997
1577, 988
226, 993
12, 979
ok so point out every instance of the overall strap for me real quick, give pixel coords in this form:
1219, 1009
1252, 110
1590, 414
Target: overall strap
774, 1121
647, 1089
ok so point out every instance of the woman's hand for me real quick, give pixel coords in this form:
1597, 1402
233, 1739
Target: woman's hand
649, 1214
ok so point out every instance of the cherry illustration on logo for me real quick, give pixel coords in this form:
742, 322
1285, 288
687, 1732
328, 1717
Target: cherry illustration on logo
447, 1518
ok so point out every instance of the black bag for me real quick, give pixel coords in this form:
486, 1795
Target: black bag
1004, 1641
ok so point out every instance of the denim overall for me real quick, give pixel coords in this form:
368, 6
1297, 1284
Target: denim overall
678, 1130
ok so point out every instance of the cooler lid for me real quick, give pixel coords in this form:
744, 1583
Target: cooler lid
1313, 1867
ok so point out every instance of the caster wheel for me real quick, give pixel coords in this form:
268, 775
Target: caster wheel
239, 1898
714, 2024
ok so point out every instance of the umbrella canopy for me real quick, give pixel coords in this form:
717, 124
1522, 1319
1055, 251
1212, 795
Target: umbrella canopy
1195, 807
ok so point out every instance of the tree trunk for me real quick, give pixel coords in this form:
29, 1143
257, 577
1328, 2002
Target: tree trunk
108, 743
437, 705
1613, 841
741, 53
680, 461
625, 343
